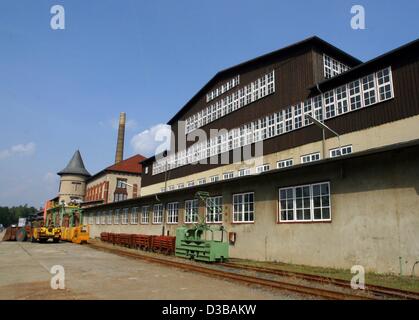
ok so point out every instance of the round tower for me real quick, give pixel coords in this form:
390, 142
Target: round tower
73, 180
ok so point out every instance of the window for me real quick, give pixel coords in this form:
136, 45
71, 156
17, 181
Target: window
116, 217
285, 163
120, 197
343, 151
384, 84
171, 188
103, 217
191, 211
145, 215
244, 172
246, 95
243, 207
76, 185
368, 86
310, 157
163, 190
214, 210
371, 89
333, 67
228, 175
263, 168
181, 186
342, 100
134, 215
98, 218
329, 104
109, 217
172, 213
298, 118
355, 100
146, 170
158, 214
202, 181
305, 203
121, 183
191, 183
124, 219
214, 178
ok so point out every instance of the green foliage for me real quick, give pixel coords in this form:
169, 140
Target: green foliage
11, 215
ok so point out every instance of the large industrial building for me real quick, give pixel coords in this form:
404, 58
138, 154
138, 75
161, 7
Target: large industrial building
337, 197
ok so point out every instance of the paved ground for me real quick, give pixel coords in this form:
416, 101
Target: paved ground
92, 274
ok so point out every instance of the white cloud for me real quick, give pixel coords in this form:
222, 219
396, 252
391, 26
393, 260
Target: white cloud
23, 149
152, 141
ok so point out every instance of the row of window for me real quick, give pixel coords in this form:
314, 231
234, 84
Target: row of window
336, 152
240, 98
223, 89
296, 204
371, 89
333, 67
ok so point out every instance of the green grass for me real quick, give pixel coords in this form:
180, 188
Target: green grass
386, 280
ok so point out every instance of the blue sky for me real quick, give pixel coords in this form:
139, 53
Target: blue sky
61, 90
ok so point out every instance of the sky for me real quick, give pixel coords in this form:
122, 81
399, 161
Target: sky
62, 90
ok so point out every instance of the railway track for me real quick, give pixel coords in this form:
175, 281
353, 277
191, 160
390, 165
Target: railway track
231, 275
376, 291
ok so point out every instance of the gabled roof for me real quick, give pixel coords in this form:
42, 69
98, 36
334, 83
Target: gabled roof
131, 165
75, 166
307, 43
368, 66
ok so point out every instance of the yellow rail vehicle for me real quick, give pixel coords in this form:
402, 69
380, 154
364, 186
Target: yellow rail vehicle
43, 234
69, 218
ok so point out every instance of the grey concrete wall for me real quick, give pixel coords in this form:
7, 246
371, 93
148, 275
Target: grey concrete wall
375, 215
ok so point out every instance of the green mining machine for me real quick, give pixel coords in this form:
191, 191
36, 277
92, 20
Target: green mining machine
203, 242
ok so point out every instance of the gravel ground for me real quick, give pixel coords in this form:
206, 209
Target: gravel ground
92, 274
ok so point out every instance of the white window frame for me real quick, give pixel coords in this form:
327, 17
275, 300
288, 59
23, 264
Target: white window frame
134, 215
263, 168
109, 217
145, 215
333, 153
158, 213
202, 181
228, 175
215, 178
124, 216
97, 220
191, 211
291, 203
217, 204
239, 209
173, 213
244, 172
103, 218
116, 216
281, 164
312, 157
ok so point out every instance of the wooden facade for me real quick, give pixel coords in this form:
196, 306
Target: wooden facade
299, 75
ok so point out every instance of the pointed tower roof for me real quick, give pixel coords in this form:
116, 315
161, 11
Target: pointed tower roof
75, 166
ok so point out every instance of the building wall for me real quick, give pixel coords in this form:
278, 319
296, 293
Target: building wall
97, 187
386, 134
374, 201
71, 186
405, 72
